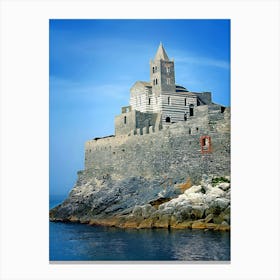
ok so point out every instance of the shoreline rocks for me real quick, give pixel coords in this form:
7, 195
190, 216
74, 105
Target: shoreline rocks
140, 203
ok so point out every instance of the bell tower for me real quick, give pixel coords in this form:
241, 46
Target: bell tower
162, 74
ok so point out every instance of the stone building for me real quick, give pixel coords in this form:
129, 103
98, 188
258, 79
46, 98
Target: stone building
166, 132
160, 101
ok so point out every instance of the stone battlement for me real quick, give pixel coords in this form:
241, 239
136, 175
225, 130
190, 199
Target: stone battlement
177, 150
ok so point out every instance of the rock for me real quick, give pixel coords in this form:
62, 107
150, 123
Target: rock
183, 225
206, 179
221, 203
223, 186
137, 211
147, 210
197, 212
216, 192
193, 189
136, 203
210, 225
195, 198
209, 218
146, 223
198, 225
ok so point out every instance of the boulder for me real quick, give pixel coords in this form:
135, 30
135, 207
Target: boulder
209, 218
223, 186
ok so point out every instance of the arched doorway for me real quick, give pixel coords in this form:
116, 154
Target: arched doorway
168, 120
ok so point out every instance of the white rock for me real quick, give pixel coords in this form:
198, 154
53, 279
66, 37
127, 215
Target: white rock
196, 198
216, 192
193, 189
224, 186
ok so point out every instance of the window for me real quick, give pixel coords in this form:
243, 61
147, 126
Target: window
124, 120
168, 100
149, 101
167, 69
156, 81
168, 81
167, 120
153, 69
191, 110
185, 101
190, 131
205, 143
185, 116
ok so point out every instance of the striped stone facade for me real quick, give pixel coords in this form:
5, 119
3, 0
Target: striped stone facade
161, 95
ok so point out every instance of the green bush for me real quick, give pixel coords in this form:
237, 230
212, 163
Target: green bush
218, 180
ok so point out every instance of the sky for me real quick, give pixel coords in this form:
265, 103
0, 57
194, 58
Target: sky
94, 63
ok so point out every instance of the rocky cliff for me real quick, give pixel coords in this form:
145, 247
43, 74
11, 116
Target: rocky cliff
139, 202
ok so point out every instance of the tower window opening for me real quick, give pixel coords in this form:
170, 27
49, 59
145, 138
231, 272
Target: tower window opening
156, 81
167, 69
168, 100
124, 120
167, 120
149, 101
153, 69
168, 81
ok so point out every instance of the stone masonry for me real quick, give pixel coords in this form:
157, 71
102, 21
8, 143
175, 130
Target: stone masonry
165, 131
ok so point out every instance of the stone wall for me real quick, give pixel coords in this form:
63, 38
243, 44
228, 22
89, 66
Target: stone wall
174, 152
135, 122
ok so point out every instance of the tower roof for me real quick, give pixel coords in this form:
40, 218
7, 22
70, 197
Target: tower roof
161, 53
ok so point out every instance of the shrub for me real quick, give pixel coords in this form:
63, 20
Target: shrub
218, 180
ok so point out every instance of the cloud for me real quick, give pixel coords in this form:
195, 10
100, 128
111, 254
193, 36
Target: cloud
192, 58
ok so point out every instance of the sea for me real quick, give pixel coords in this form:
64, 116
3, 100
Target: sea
82, 242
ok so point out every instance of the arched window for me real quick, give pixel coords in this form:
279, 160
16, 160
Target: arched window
153, 69
124, 120
167, 120
156, 81
191, 110
149, 101
185, 101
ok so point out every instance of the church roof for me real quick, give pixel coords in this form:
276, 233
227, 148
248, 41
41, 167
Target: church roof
161, 53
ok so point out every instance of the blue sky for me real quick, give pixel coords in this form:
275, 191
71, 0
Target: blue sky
93, 64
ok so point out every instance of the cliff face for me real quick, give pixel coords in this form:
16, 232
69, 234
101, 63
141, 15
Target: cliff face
140, 203
162, 179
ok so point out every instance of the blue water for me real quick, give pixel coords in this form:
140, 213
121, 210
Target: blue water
78, 242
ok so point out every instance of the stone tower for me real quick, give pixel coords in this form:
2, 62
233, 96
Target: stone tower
162, 74
159, 102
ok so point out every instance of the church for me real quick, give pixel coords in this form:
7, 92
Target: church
160, 102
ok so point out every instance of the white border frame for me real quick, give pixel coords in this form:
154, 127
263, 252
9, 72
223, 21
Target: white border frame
255, 137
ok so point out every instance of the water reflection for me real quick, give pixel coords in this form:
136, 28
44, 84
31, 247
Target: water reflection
83, 242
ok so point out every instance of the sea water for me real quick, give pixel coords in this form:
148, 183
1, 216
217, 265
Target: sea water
80, 242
